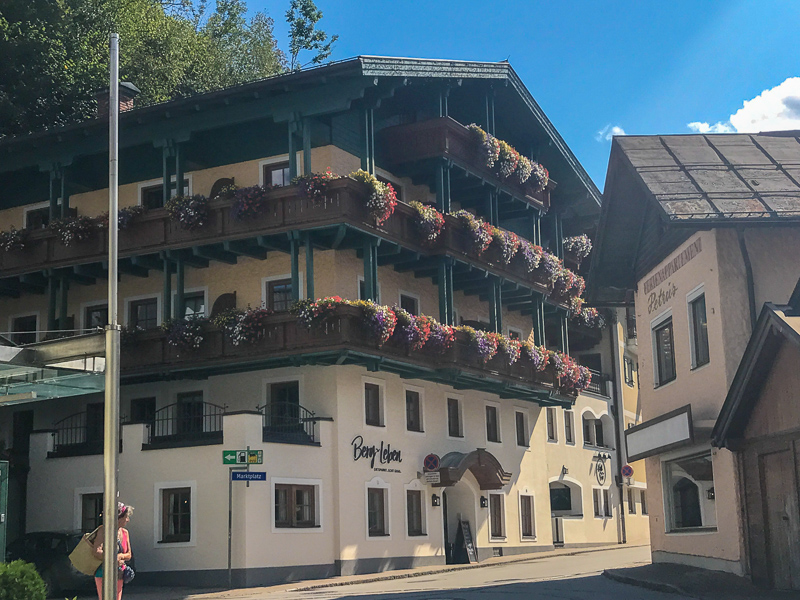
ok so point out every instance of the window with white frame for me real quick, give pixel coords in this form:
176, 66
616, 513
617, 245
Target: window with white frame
413, 411
143, 313
455, 426
643, 500
409, 303
91, 511
631, 501
295, 505
497, 518
24, 328
176, 514
602, 504
415, 512
698, 328
688, 484
569, 427
550, 413
593, 434
664, 351
628, 368
377, 511
373, 404
526, 516
151, 194
95, 316
492, 423
521, 425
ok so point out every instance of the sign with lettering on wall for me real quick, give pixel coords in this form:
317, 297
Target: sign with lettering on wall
658, 289
384, 454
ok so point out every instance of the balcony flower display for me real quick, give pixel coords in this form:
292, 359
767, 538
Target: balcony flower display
483, 343
411, 330
128, 215
552, 265
539, 176
511, 348
479, 230
538, 355
129, 336
429, 221
249, 202
571, 375
579, 245
490, 145
379, 320
315, 185
507, 241
565, 282
524, 169
504, 159
13, 239
530, 253
382, 200
441, 338
190, 211
508, 161
185, 334
591, 317
249, 325
74, 230
311, 313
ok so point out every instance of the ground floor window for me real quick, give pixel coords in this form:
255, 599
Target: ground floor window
295, 505
689, 493
631, 501
414, 510
602, 504
526, 516
643, 500
91, 512
376, 512
496, 517
176, 515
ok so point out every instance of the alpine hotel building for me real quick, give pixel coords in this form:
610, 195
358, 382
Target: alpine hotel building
339, 415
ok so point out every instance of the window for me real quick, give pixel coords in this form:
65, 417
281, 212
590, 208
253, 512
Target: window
454, 418
143, 410
190, 413
362, 290
24, 329
416, 525
551, 424
526, 516
521, 422
699, 331
413, 411
663, 347
593, 432
602, 506
569, 427
194, 304
409, 304
37, 218
176, 515
372, 405
628, 369
277, 174
95, 317
279, 294
560, 497
689, 493
492, 424
496, 517
376, 512
643, 500
631, 501
152, 196
91, 512
630, 323
283, 411
144, 313
295, 505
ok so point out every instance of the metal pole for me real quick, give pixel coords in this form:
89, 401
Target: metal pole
111, 435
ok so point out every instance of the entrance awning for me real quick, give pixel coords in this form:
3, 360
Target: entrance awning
52, 369
484, 466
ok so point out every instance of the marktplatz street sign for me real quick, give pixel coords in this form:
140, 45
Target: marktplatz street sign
242, 457
248, 476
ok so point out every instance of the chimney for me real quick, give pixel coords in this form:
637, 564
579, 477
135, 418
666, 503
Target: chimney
127, 92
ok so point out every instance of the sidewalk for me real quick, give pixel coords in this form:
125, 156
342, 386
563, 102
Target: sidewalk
187, 593
694, 582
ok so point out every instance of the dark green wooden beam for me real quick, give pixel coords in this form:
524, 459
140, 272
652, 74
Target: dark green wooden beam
245, 248
215, 252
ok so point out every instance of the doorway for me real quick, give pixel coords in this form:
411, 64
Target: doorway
781, 515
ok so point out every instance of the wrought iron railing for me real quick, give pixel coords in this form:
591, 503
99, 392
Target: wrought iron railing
78, 434
599, 383
288, 422
187, 422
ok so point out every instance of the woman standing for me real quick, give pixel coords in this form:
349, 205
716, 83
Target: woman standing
123, 549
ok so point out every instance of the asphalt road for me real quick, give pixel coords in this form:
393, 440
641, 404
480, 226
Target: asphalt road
574, 577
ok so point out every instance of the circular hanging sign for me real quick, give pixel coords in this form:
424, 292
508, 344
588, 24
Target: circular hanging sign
430, 462
600, 472
627, 471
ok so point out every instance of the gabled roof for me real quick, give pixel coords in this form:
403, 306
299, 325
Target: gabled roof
662, 188
776, 326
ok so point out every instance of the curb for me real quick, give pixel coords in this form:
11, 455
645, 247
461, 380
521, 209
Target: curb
656, 586
422, 572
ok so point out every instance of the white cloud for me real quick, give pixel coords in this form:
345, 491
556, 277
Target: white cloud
774, 109
608, 132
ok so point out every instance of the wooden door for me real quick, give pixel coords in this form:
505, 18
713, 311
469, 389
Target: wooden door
781, 518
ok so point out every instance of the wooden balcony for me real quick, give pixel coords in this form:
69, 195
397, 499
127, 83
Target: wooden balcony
341, 221
447, 138
342, 340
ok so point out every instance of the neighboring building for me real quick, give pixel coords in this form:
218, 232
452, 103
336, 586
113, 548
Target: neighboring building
715, 236
342, 423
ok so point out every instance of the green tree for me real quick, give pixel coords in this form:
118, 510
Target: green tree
55, 53
302, 17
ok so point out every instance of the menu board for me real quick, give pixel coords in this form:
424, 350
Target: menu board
468, 543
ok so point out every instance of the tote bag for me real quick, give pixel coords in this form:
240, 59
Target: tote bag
83, 558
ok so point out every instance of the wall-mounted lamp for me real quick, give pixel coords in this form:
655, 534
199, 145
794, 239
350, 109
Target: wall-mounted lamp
435, 500
710, 493
484, 502
564, 470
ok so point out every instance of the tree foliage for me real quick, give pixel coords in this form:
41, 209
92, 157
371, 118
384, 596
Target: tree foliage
303, 16
55, 53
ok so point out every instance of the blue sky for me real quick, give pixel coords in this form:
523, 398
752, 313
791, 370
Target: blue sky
645, 67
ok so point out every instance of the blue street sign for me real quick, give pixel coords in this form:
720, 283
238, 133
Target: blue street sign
248, 476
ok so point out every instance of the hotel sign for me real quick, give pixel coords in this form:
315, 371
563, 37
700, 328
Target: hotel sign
383, 453
658, 297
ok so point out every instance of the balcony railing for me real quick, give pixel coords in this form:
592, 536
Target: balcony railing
185, 424
225, 237
599, 384
78, 435
341, 340
289, 423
